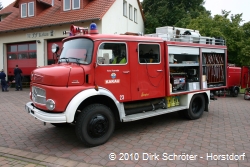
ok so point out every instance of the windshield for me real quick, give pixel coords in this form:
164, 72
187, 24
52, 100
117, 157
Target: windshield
77, 51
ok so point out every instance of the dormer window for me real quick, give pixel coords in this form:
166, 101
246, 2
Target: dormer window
30, 9
71, 4
27, 9
24, 10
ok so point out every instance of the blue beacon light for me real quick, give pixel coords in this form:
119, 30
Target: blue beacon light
93, 28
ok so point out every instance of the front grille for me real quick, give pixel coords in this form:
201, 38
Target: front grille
38, 95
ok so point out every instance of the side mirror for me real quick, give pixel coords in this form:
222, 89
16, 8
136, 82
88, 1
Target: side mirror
55, 48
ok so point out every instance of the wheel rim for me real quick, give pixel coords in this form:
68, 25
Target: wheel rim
196, 105
235, 91
98, 126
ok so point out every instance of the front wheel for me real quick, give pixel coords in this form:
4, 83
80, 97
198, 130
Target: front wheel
196, 107
95, 124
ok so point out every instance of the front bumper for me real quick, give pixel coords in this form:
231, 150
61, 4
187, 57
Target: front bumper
44, 116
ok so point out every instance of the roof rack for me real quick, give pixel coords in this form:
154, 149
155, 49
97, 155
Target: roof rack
169, 33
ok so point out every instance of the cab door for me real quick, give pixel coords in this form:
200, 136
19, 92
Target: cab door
245, 77
148, 74
112, 71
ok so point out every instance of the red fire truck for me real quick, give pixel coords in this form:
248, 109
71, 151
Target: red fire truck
238, 78
103, 79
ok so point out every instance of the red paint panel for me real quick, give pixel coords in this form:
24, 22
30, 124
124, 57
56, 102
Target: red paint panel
234, 76
245, 77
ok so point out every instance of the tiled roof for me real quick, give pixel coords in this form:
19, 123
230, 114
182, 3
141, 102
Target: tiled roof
45, 1
53, 15
9, 9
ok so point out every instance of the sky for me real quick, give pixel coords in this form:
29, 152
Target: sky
215, 6
235, 6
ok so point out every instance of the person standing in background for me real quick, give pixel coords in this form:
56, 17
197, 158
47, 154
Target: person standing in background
18, 78
3, 81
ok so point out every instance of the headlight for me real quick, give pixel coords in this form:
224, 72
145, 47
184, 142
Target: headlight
50, 104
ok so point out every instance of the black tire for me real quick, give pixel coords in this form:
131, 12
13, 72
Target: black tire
94, 125
60, 124
235, 92
196, 107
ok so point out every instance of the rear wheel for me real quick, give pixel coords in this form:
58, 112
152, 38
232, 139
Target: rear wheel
235, 92
95, 124
196, 107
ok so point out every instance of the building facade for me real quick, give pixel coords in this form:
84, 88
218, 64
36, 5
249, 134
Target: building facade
28, 28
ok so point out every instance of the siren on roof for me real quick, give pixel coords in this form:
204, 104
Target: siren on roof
93, 28
76, 30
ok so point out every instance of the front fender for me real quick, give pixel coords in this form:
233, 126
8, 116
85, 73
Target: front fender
80, 97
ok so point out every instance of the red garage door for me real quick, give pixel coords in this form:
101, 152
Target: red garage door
23, 55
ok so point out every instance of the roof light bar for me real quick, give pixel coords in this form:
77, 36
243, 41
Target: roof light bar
75, 30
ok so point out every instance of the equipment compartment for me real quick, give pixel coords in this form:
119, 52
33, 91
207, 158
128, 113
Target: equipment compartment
214, 69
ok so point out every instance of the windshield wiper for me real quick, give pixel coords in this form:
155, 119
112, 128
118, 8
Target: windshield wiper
77, 60
66, 58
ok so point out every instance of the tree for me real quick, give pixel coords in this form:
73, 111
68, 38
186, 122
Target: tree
228, 27
245, 50
192, 14
170, 12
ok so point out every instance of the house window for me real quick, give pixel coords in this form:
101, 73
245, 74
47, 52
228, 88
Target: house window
125, 8
130, 12
23, 10
31, 9
135, 15
27, 10
68, 3
76, 4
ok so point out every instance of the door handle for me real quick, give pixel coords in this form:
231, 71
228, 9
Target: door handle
159, 70
125, 72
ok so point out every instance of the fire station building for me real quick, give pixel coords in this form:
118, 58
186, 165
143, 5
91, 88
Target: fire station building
28, 28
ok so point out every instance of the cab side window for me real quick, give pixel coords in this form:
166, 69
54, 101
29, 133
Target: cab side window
149, 53
112, 53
